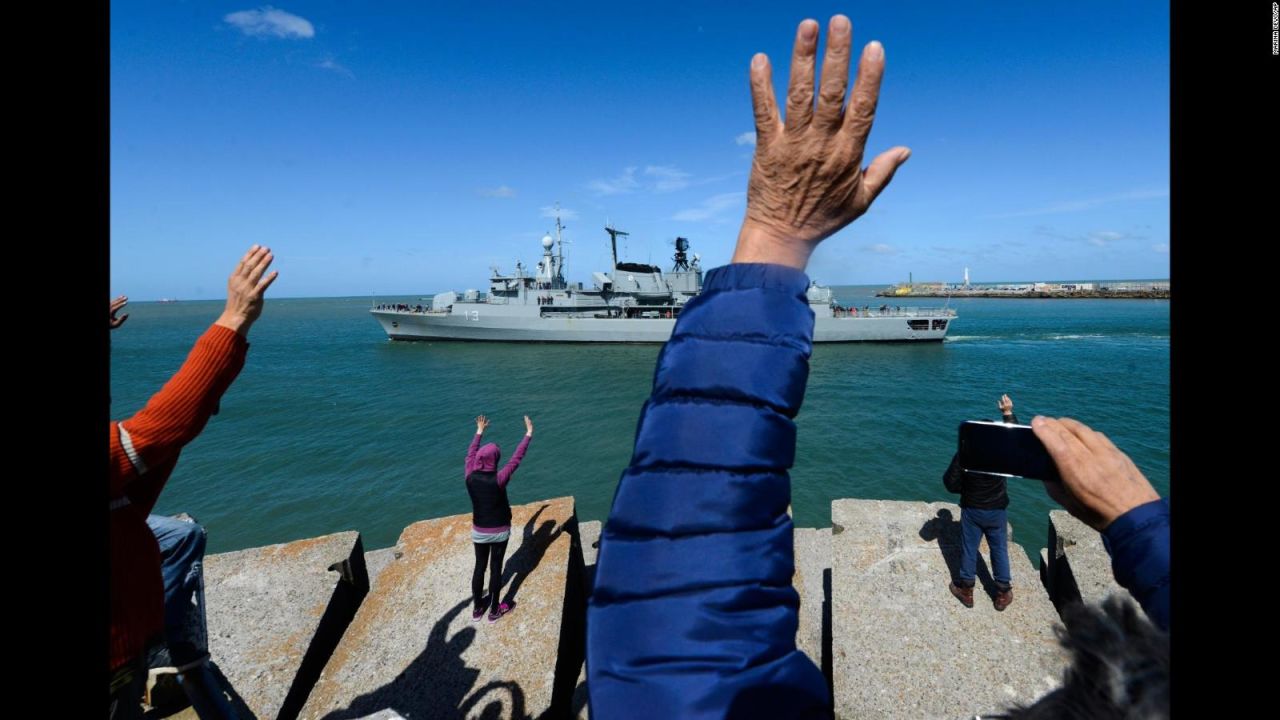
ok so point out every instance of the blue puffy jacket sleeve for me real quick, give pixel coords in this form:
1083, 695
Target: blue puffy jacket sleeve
1139, 545
693, 614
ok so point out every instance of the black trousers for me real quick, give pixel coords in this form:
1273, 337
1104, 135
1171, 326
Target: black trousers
492, 553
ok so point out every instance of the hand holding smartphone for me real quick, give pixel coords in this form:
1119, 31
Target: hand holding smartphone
1005, 449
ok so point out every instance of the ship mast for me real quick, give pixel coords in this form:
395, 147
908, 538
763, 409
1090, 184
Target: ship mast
559, 249
613, 240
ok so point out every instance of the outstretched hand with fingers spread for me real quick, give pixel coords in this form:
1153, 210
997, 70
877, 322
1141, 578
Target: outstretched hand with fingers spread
245, 290
807, 179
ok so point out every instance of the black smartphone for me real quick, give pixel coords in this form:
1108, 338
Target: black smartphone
1005, 449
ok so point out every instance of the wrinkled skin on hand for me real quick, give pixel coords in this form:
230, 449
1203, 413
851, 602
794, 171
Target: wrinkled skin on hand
1099, 482
807, 179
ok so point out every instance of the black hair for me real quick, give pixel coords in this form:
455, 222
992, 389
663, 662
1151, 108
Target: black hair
1119, 668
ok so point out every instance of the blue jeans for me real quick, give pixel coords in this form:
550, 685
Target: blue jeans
185, 633
973, 525
181, 555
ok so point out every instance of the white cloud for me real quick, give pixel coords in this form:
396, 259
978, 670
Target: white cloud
624, 183
331, 64
1096, 238
549, 211
1161, 247
1077, 205
881, 249
667, 178
746, 138
653, 179
712, 208
270, 21
1100, 238
502, 191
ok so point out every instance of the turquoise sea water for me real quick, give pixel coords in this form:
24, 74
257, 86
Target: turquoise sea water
331, 427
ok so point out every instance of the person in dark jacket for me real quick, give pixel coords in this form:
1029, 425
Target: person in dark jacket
490, 515
983, 499
693, 614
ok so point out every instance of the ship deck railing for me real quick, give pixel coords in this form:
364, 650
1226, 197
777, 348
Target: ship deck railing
409, 311
907, 312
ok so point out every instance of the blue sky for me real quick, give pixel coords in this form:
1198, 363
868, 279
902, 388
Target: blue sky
404, 148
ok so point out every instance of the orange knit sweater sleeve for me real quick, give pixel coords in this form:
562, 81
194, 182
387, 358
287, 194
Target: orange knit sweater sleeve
145, 447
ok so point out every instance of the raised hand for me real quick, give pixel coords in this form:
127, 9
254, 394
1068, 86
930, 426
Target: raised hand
1099, 482
245, 290
1005, 405
482, 423
807, 179
116, 306
528, 426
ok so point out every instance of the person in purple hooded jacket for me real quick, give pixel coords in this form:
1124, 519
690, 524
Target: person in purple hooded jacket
490, 514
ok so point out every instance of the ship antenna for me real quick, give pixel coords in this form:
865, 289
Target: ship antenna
613, 240
559, 246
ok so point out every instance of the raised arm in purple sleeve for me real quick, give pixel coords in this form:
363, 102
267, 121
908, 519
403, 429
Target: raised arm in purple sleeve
471, 456
504, 475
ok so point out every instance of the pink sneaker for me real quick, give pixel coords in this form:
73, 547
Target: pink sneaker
503, 609
477, 612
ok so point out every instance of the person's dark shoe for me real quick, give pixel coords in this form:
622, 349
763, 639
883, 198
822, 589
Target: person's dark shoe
964, 594
477, 611
1003, 598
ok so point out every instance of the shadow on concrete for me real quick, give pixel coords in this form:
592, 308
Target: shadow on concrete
578, 707
526, 558
348, 594
826, 631
237, 703
944, 529
438, 683
572, 650
578, 702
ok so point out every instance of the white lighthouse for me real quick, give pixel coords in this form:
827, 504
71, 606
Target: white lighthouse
966, 277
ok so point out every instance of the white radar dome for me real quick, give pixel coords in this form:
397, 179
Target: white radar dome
547, 242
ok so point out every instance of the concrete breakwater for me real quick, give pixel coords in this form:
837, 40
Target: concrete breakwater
1110, 290
1079, 294
320, 628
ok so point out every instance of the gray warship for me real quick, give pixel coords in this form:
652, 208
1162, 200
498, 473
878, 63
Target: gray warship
635, 303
